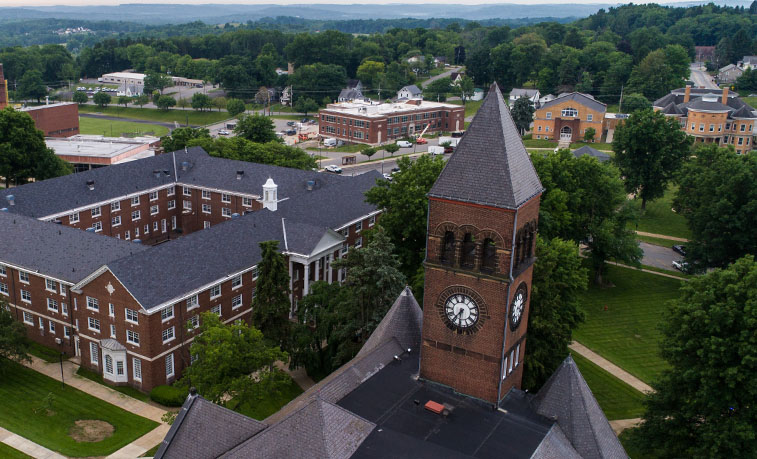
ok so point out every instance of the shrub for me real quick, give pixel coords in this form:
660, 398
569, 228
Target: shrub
168, 395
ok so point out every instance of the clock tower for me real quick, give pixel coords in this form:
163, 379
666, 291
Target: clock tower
482, 220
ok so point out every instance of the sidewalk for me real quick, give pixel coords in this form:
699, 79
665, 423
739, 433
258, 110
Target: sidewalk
26, 446
618, 426
610, 367
661, 236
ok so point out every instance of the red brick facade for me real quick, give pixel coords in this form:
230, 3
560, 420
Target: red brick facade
56, 120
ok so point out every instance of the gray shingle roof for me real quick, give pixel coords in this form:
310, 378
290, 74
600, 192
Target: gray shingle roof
583, 99
490, 165
403, 321
587, 150
191, 437
318, 430
701, 104
555, 446
350, 94
567, 398
518, 92
672, 109
58, 251
743, 112
412, 89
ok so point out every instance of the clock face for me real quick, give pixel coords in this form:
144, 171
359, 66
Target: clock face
518, 306
461, 310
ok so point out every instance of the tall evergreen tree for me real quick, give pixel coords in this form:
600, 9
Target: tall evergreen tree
271, 306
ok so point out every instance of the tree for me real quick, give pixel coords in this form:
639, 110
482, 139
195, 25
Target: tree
201, 101
263, 97
101, 98
256, 128
368, 151
225, 357
747, 81
124, 100
141, 100
305, 105
465, 88
704, 402
371, 73
165, 102
589, 134
653, 77
391, 148
155, 81
235, 107
23, 153
183, 103
271, 305
80, 97
717, 196
241, 149
555, 311
633, 102
31, 86
219, 103
650, 148
180, 138
523, 114
437, 90
584, 202
14, 345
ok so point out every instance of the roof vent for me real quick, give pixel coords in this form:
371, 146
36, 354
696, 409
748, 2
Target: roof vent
234, 215
184, 165
11, 199
137, 241
91, 229
240, 174
4, 209
91, 185
156, 173
166, 172
310, 184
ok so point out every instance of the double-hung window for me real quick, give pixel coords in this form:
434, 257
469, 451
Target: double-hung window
168, 334
236, 302
166, 314
23, 276
132, 337
170, 191
136, 215
216, 310
26, 296
135, 201
94, 353
115, 221
205, 194
52, 305
171, 204
226, 212
98, 226
51, 285
187, 191
28, 318
236, 282
154, 209
187, 205
96, 212
4, 288
194, 321
115, 206
153, 196
131, 316
206, 208
192, 302
93, 303
73, 218
169, 365
247, 202
93, 324
225, 197
215, 291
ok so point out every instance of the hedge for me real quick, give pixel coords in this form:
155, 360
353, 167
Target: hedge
168, 395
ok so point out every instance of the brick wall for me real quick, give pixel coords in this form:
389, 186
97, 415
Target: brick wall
57, 120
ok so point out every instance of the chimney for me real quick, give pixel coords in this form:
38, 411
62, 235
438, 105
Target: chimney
310, 184
11, 199
240, 174
725, 96
91, 185
687, 94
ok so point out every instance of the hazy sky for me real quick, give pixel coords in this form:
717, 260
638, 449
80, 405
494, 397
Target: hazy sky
286, 2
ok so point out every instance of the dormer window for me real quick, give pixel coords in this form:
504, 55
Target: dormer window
569, 112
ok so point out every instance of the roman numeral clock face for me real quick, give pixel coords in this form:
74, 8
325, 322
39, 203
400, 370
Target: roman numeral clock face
462, 309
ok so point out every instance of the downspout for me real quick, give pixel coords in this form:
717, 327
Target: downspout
507, 310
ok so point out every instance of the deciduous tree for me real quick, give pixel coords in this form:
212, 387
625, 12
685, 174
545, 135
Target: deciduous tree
523, 114
180, 138
80, 97
155, 81
101, 98
235, 107
165, 102
14, 345
305, 105
31, 86
633, 102
256, 128
201, 101
437, 90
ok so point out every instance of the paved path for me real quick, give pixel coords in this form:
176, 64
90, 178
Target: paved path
649, 271
26, 446
618, 426
446, 73
700, 77
662, 236
658, 256
610, 367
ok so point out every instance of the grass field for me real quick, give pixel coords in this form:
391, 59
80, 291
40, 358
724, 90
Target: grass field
23, 391
631, 449
617, 399
658, 217
750, 100
45, 353
658, 241
151, 452
126, 390
268, 405
6, 452
110, 128
627, 332
152, 114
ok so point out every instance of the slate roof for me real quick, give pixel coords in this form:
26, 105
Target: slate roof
701, 104
743, 112
555, 446
402, 321
68, 254
490, 165
704, 99
190, 437
583, 99
567, 398
593, 152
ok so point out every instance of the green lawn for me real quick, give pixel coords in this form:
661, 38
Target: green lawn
151, 452
539, 143
659, 217
126, 390
658, 241
6, 452
602, 146
152, 114
627, 332
632, 450
750, 100
268, 405
617, 399
348, 148
45, 353
281, 108
110, 128
23, 391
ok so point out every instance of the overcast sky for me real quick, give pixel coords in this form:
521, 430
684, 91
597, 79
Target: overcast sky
287, 2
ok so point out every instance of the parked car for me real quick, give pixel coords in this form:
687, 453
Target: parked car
291, 132
290, 123
421, 141
681, 266
395, 169
313, 122
333, 168
680, 249
404, 144
330, 142
223, 132
449, 149
305, 120
388, 176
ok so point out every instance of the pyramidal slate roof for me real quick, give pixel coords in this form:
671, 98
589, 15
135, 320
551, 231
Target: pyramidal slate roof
490, 165
555, 446
567, 398
403, 321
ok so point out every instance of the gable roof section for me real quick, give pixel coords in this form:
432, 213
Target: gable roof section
567, 398
319, 429
490, 165
403, 321
203, 429
581, 98
518, 92
555, 446
412, 89
58, 251
587, 150
743, 112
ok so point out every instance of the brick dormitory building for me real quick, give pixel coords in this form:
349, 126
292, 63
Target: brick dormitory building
111, 264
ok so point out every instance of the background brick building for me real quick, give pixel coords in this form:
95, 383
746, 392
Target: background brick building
56, 120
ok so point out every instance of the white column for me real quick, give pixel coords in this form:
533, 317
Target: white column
306, 288
330, 261
318, 269
291, 300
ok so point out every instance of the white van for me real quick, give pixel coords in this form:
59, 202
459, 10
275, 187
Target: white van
434, 150
330, 142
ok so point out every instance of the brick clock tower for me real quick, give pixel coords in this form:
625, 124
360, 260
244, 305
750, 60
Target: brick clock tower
483, 212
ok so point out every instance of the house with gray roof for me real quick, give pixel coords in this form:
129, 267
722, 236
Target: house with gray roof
410, 92
593, 152
533, 95
729, 74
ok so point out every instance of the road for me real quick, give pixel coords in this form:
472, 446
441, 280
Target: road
446, 73
658, 257
700, 77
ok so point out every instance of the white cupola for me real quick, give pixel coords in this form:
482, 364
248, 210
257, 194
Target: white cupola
270, 195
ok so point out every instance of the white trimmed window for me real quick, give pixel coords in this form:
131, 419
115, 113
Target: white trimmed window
127, 235
236, 302
93, 303
109, 364
205, 194
131, 316
132, 337
173, 222
589, 117
64, 309
98, 226
225, 197
205, 225
136, 215
94, 353
549, 115
136, 232
147, 228
51, 326
171, 204
26, 296
93, 324
3, 271
51, 285
215, 291
119, 367
187, 191
170, 191
359, 242
153, 196
52, 305
112, 331
163, 226
135, 201
115, 206
187, 205
73, 218
570, 112
23, 276
517, 355
66, 332
372, 220
28, 318
358, 227
168, 334
154, 210
192, 302
3, 288
96, 212
255, 273
166, 313
247, 202
155, 225
194, 321
236, 281
206, 208
216, 310
137, 365
169, 365
63, 290
115, 221
226, 212
111, 310
253, 293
